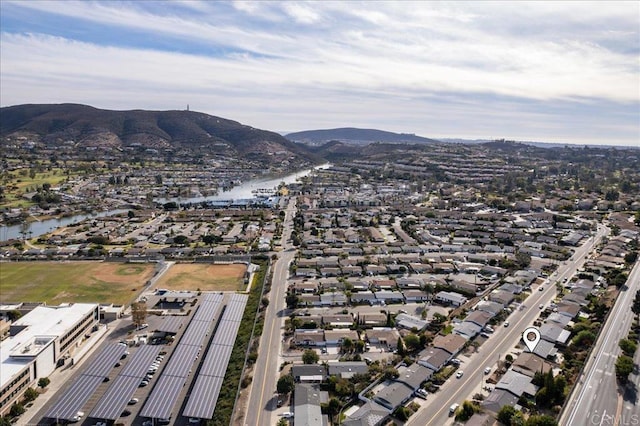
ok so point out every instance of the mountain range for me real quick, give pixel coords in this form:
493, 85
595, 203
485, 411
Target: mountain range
87, 126
352, 135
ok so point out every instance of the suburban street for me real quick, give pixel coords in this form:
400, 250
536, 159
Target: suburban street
596, 400
436, 409
262, 399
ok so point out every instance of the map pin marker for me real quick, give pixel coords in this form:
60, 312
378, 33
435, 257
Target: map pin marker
531, 337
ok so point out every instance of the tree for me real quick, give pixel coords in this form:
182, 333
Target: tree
333, 407
628, 346
517, 419
412, 341
211, 239
16, 410
390, 373
523, 259
138, 313
30, 394
400, 347
584, 339
635, 307
292, 300
285, 384
44, 382
439, 318
631, 257
181, 240
282, 422
131, 214
541, 420
347, 345
505, 414
14, 315
310, 356
466, 411
624, 367
402, 413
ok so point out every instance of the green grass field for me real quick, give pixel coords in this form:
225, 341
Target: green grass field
58, 282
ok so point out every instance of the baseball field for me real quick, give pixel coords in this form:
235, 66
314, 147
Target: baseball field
203, 276
59, 282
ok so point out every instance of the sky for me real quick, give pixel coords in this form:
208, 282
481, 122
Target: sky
565, 72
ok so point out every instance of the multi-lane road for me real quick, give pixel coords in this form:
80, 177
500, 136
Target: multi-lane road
262, 399
595, 399
436, 409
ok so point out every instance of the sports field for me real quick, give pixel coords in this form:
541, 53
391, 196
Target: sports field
58, 282
203, 276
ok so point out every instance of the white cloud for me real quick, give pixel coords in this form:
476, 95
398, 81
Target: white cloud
322, 57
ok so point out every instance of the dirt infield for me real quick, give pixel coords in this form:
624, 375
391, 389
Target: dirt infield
58, 282
204, 277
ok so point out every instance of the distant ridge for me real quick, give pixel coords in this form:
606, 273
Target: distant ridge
352, 135
87, 126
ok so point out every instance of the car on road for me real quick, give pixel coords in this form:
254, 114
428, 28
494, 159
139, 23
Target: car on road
459, 374
453, 408
506, 323
287, 414
541, 306
540, 288
487, 370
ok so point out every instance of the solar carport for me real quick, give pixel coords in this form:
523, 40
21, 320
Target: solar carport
115, 399
165, 393
75, 396
205, 392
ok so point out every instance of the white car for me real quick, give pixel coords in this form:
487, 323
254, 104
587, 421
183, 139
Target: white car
459, 374
287, 414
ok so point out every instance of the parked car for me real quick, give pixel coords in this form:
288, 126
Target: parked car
487, 370
459, 374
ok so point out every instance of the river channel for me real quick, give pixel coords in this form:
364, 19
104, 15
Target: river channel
243, 191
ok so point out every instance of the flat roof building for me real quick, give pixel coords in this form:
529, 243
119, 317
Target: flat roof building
37, 342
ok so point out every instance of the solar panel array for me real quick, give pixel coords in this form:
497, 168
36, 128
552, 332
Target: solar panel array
72, 400
205, 392
170, 324
166, 391
114, 400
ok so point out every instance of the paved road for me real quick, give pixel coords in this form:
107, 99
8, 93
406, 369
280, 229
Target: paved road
436, 410
263, 400
596, 400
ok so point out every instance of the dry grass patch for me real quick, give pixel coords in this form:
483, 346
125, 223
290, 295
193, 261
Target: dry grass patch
203, 276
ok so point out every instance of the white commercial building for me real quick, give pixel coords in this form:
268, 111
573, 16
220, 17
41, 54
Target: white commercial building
37, 343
